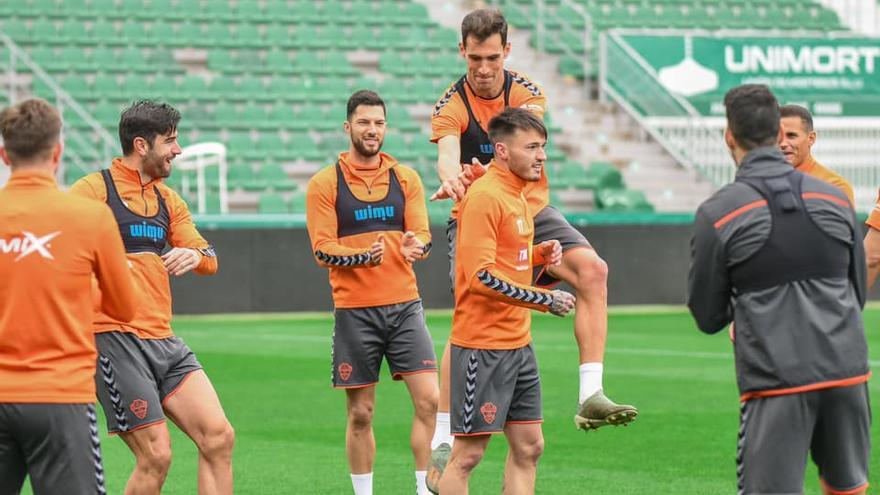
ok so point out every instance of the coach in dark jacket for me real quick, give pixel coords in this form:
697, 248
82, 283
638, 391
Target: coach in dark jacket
779, 254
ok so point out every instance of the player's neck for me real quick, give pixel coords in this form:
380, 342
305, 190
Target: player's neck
490, 94
361, 162
135, 165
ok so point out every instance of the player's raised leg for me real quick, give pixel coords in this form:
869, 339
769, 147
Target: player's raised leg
196, 409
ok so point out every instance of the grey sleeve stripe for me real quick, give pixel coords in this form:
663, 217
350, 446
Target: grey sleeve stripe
352, 260
513, 292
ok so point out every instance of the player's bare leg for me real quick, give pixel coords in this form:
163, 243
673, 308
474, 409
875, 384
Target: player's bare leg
467, 452
196, 409
151, 447
424, 392
360, 444
526, 444
587, 273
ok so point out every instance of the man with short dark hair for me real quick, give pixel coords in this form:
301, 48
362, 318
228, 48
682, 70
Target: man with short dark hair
53, 244
459, 127
368, 224
494, 384
800, 349
145, 373
797, 143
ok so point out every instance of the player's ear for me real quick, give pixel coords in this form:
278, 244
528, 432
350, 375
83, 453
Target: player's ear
501, 150
811, 138
507, 50
141, 146
730, 141
4, 157
346, 126
461, 49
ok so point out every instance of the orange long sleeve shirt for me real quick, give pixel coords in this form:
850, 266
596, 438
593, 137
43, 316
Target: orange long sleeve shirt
811, 167
493, 265
356, 284
153, 318
450, 118
51, 244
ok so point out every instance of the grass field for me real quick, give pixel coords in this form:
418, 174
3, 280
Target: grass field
272, 374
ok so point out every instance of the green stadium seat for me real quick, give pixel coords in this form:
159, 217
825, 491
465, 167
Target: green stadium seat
307, 62
336, 62
331, 89
241, 146
272, 203
623, 200
571, 66
298, 202
399, 118
107, 87
362, 11
193, 87
253, 88
107, 114
302, 146
164, 88
392, 62
222, 61
605, 175
272, 147
276, 177
252, 116
225, 114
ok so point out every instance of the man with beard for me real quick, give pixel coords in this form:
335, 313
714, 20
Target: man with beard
368, 224
145, 373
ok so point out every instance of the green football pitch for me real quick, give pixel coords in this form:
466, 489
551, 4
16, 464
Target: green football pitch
272, 373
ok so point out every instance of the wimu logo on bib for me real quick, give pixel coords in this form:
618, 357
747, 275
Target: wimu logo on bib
380, 212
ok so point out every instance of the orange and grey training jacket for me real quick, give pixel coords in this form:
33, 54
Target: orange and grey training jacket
147, 202
493, 265
347, 208
51, 244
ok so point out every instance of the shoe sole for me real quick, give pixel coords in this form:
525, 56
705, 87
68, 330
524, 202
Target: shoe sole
432, 479
616, 419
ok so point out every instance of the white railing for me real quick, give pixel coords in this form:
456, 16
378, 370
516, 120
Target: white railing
850, 146
65, 105
198, 158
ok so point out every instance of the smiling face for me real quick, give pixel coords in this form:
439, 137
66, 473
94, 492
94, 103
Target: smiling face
797, 141
156, 163
524, 154
366, 129
485, 64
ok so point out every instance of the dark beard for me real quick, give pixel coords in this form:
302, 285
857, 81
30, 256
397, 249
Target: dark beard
363, 151
154, 166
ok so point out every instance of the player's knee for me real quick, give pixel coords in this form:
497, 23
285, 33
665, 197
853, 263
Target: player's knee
426, 405
528, 452
466, 462
218, 441
592, 270
155, 461
360, 416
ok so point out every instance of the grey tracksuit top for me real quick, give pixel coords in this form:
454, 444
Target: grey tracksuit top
780, 254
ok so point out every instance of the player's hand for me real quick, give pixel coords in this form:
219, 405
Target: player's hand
452, 189
731, 332
473, 170
181, 260
563, 302
377, 250
551, 251
411, 247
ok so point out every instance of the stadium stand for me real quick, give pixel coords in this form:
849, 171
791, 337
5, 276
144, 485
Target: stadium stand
268, 79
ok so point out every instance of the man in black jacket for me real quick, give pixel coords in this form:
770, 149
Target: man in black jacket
779, 254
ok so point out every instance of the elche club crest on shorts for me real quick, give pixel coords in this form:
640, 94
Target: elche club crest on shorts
488, 411
345, 370
139, 408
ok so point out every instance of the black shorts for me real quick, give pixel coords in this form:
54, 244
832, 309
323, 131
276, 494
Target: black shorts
492, 388
550, 224
776, 433
57, 444
362, 336
135, 376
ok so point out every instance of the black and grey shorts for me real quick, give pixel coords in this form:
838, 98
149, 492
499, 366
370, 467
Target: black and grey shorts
57, 444
492, 388
363, 336
776, 433
135, 376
